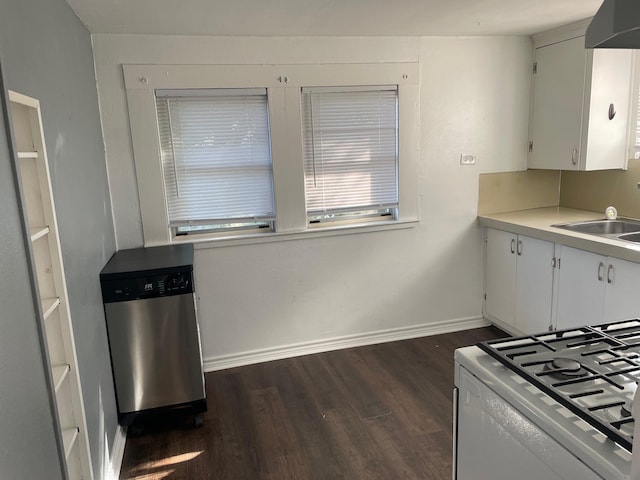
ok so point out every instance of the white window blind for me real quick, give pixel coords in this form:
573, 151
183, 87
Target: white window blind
216, 156
350, 149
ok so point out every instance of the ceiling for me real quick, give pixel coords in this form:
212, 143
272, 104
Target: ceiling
330, 17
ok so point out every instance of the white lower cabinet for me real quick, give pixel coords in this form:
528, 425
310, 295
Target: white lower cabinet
621, 300
500, 277
519, 281
581, 284
593, 289
524, 293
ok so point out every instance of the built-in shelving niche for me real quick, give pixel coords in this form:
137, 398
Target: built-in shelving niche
40, 214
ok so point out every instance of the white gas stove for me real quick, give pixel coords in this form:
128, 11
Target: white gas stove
551, 406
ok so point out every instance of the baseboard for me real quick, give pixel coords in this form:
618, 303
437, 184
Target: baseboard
117, 450
510, 329
222, 362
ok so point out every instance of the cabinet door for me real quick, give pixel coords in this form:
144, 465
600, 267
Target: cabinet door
604, 145
581, 288
622, 301
500, 288
534, 284
557, 105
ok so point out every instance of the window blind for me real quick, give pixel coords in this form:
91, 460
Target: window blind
350, 149
216, 156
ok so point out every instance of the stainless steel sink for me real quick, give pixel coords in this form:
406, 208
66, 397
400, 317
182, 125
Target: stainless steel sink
622, 229
631, 237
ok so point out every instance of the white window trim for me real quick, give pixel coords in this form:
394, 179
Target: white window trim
634, 111
283, 84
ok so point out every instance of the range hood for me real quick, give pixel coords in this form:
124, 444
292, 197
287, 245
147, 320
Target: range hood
616, 25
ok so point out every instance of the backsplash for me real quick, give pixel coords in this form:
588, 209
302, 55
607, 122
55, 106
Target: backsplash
511, 191
595, 191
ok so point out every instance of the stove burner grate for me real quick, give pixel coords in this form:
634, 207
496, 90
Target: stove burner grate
592, 371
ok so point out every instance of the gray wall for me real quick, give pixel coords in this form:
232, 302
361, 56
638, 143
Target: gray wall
47, 54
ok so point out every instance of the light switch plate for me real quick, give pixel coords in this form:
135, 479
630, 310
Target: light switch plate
467, 159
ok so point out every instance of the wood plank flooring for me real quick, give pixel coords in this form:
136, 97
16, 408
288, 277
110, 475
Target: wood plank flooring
376, 412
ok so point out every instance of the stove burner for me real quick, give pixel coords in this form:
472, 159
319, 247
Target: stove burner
563, 368
624, 411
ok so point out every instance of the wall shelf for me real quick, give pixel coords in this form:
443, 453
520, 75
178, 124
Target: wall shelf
60, 373
38, 232
55, 321
69, 437
49, 305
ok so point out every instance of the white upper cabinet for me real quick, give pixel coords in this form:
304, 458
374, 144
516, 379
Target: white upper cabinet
580, 106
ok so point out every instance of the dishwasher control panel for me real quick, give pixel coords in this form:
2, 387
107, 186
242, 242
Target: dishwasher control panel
143, 287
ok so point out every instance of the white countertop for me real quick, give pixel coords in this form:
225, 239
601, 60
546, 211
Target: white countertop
537, 223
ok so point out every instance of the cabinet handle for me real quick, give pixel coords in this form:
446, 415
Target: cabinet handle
574, 157
600, 271
611, 269
513, 245
519, 247
612, 111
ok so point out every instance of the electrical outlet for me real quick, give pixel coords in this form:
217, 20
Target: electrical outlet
467, 159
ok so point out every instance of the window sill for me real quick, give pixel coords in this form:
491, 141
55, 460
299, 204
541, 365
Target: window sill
204, 242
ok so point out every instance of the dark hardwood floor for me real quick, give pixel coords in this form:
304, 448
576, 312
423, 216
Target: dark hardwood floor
377, 412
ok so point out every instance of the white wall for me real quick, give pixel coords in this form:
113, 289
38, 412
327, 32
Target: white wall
474, 99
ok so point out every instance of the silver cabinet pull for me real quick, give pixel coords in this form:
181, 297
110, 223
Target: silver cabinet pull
574, 157
513, 245
600, 271
611, 269
519, 247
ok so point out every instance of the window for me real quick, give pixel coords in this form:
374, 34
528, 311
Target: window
350, 152
216, 159
259, 153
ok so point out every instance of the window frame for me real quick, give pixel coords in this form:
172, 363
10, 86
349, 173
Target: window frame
167, 100
283, 84
314, 124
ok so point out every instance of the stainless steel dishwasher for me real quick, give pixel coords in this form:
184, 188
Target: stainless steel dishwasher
154, 339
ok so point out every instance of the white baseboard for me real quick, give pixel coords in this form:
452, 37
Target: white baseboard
222, 362
117, 450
